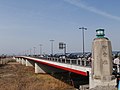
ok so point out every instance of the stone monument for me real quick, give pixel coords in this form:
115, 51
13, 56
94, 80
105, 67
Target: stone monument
101, 74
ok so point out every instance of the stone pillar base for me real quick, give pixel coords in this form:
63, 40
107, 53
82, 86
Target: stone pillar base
104, 78
94, 83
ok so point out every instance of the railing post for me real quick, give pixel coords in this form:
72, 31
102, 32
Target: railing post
65, 60
70, 61
77, 61
61, 60
80, 62
84, 61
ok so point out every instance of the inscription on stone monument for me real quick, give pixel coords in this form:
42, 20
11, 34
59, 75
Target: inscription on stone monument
104, 53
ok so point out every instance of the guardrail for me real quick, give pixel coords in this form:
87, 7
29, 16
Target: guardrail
80, 61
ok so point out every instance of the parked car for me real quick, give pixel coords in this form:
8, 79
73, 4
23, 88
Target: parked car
75, 55
58, 55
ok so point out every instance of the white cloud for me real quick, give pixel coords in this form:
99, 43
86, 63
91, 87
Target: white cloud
92, 9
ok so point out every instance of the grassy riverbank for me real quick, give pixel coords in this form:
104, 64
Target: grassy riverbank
14, 76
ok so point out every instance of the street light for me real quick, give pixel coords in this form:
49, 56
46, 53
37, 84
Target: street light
52, 46
83, 28
40, 49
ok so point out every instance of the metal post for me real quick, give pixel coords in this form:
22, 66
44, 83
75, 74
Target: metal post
82, 28
51, 47
64, 48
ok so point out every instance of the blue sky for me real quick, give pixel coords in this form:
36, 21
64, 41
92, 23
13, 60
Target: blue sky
25, 24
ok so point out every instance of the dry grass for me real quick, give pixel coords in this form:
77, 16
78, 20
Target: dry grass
14, 76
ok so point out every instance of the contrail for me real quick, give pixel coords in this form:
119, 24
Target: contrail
92, 9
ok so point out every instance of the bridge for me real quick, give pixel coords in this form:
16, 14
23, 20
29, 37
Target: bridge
46, 65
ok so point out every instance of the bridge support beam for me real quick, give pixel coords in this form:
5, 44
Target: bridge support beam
101, 74
20, 60
23, 61
30, 63
17, 59
38, 68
